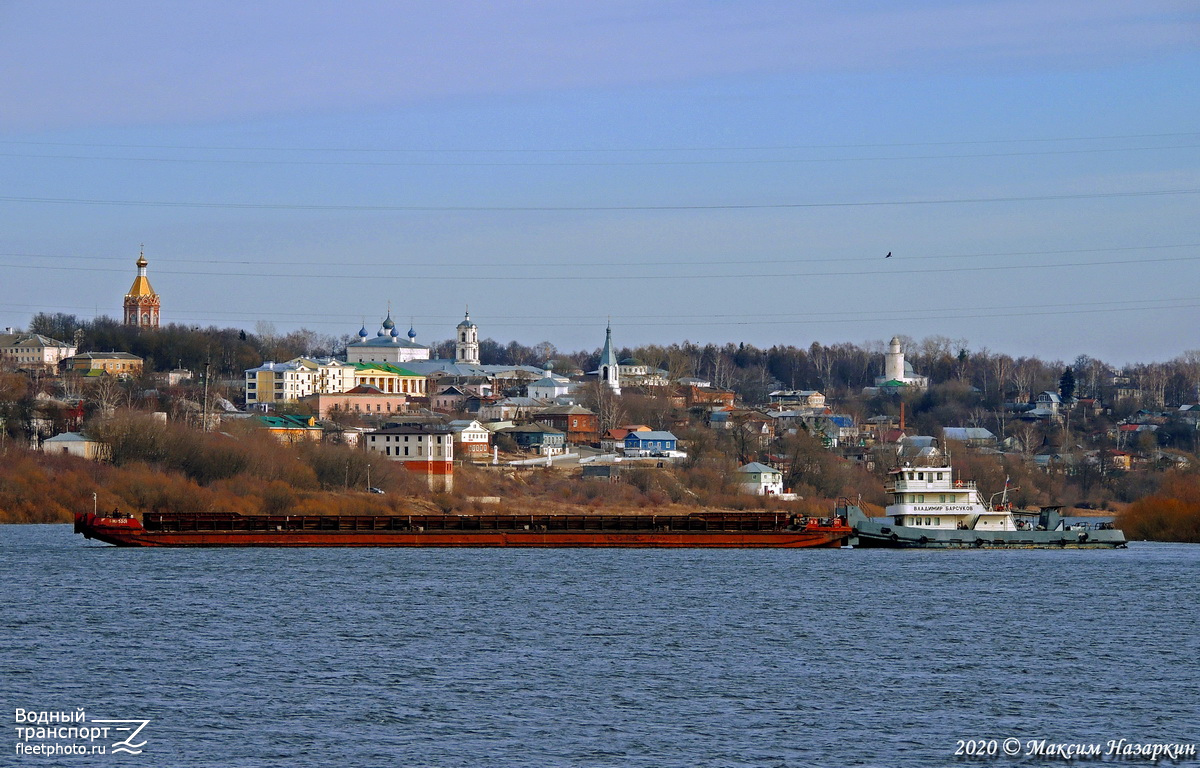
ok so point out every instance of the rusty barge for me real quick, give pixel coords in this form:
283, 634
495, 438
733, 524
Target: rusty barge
702, 529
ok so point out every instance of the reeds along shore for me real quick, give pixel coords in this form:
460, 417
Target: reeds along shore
1172, 514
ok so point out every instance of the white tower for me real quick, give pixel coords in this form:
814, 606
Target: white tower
466, 346
610, 370
893, 366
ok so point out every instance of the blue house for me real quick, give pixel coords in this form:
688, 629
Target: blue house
638, 443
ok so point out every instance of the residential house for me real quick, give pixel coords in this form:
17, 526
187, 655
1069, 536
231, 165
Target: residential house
614, 439
649, 443
472, 440
290, 429
687, 396
120, 364
636, 373
272, 383
76, 444
424, 449
33, 351
796, 398
362, 400
976, 437
760, 480
1120, 460
512, 408
581, 426
449, 398
832, 429
1046, 404
538, 438
550, 386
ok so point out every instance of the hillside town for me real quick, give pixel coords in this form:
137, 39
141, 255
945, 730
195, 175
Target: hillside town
785, 423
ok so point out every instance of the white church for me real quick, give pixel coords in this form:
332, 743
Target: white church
897, 372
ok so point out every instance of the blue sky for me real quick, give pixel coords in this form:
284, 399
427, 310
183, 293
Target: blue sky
702, 171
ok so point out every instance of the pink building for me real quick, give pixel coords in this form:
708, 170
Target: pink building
363, 399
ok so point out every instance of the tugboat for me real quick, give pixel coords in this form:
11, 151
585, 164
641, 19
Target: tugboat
932, 509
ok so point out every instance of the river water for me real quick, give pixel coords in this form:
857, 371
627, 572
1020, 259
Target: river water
380, 657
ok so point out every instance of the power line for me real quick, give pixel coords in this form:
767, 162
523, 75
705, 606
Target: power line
1000, 313
607, 263
356, 317
455, 275
564, 150
594, 208
592, 164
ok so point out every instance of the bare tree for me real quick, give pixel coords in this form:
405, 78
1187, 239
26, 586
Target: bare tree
822, 359
1189, 368
1152, 379
1024, 375
602, 401
1002, 366
108, 393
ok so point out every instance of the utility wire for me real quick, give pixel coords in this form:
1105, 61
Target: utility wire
455, 274
858, 319
593, 208
593, 164
606, 264
355, 318
564, 150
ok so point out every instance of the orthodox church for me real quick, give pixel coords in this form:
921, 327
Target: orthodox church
610, 370
897, 372
387, 346
466, 346
141, 303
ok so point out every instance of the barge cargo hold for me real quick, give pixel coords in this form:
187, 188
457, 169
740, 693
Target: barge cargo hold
704, 529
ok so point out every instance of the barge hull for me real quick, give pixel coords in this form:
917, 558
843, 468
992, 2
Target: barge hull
371, 532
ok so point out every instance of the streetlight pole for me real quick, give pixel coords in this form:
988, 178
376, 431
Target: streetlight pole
368, 477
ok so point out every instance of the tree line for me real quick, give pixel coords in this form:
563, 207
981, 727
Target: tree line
751, 371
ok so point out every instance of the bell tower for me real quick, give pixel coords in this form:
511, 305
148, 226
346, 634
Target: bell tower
141, 303
466, 346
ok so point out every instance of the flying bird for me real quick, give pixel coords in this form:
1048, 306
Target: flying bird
889, 255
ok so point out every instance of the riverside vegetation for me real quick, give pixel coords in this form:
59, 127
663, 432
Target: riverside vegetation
243, 470
157, 466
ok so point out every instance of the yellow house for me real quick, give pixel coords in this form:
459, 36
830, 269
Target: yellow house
121, 364
297, 378
291, 429
390, 379
76, 444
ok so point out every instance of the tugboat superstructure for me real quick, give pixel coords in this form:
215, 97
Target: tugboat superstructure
930, 508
